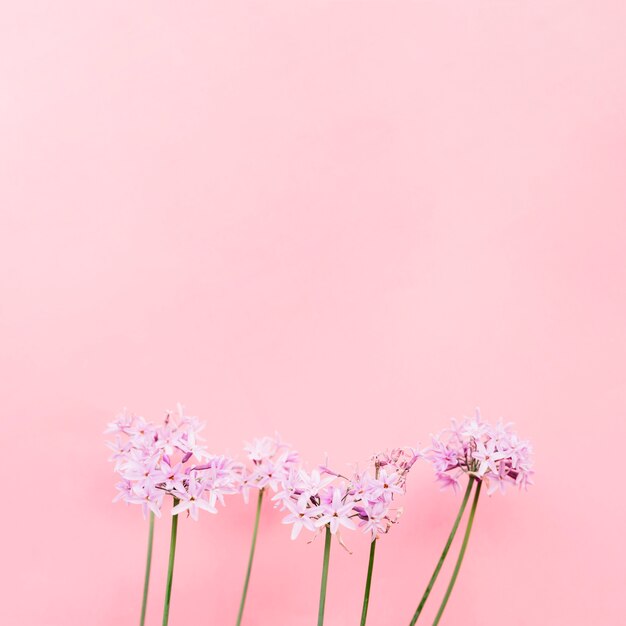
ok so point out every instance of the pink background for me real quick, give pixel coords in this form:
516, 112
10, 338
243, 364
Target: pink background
348, 221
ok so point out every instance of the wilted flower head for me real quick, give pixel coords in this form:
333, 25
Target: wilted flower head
377, 492
492, 453
156, 460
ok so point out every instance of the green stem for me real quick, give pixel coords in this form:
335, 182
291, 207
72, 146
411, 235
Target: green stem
146, 582
444, 554
251, 558
368, 583
170, 568
320, 614
457, 567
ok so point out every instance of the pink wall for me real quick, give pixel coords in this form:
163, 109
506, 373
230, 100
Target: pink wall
348, 221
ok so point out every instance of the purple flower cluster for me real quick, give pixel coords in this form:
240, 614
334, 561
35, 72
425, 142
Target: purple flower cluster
324, 497
156, 460
491, 453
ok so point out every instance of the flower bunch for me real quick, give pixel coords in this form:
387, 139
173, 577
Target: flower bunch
155, 460
490, 453
324, 497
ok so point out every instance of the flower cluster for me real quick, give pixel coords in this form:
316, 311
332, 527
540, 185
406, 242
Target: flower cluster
492, 453
271, 461
155, 460
326, 498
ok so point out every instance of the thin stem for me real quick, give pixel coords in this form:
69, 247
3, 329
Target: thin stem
320, 614
444, 554
457, 567
146, 582
251, 558
170, 567
368, 582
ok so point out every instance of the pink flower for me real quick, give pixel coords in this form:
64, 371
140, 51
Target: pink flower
121, 425
148, 496
271, 462
375, 520
497, 482
269, 474
192, 499
442, 456
361, 487
301, 516
310, 485
220, 477
124, 490
448, 481
386, 485
245, 485
488, 456
337, 512
474, 428
170, 476
261, 449
121, 451
140, 469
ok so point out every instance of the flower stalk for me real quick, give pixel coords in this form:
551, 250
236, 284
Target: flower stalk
444, 554
320, 614
146, 582
170, 567
368, 582
251, 558
457, 567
